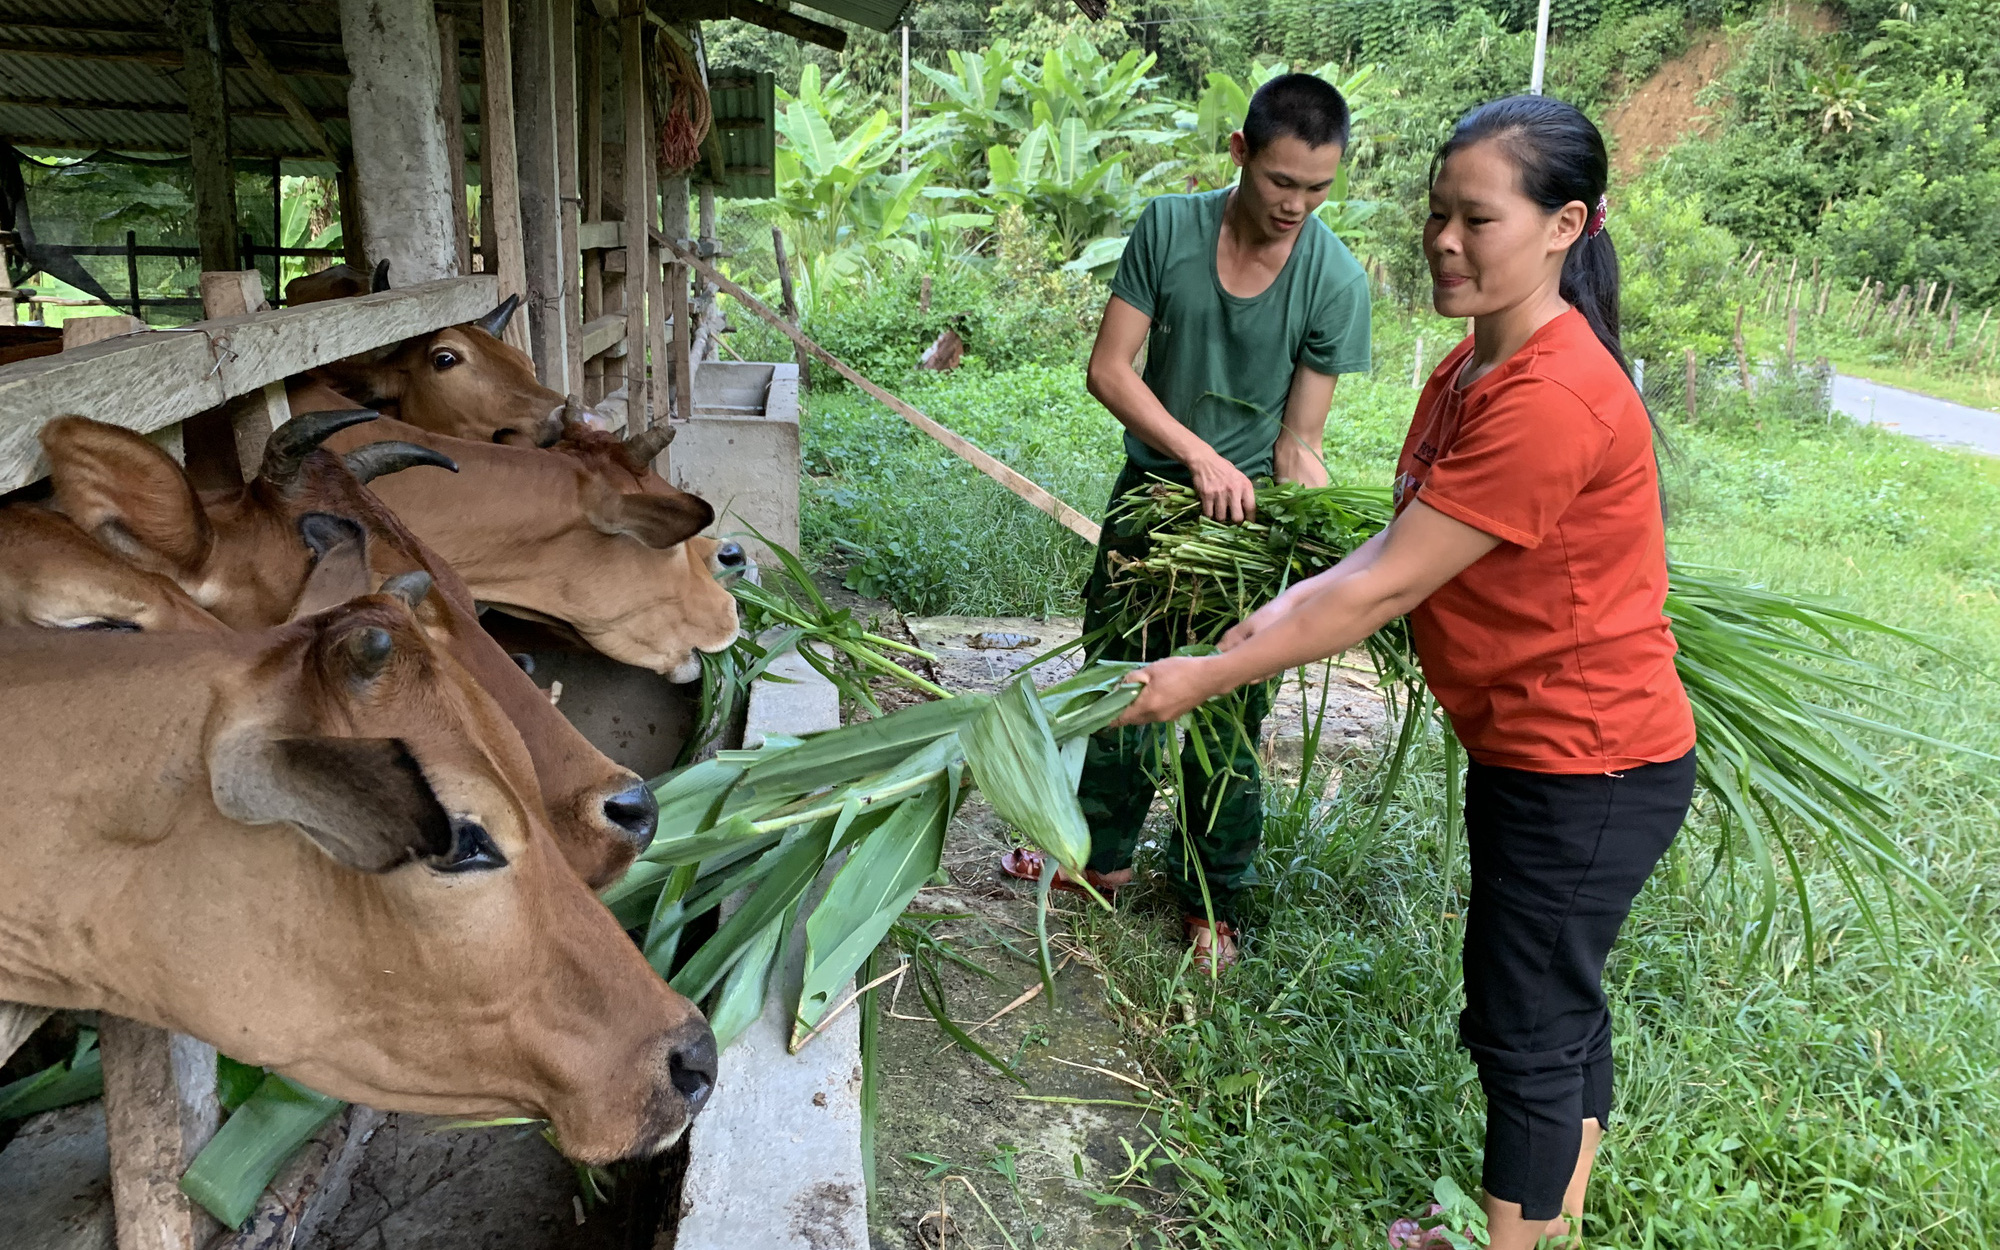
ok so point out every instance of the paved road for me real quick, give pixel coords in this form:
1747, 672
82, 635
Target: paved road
1919, 416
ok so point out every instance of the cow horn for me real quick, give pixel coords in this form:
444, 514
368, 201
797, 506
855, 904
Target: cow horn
291, 442
410, 587
495, 322
380, 280
371, 460
649, 442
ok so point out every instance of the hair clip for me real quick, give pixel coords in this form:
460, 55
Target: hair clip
1595, 225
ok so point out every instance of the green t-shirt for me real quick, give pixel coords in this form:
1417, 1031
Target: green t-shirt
1222, 365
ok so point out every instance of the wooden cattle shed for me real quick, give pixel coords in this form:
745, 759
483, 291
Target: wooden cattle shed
552, 109
409, 102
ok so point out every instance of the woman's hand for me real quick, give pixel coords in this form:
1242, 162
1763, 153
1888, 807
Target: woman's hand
1173, 687
1249, 627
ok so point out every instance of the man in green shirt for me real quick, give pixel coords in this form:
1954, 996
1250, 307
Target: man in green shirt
1248, 308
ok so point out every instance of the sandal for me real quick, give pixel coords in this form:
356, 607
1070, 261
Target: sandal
1215, 948
1025, 862
1407, 1234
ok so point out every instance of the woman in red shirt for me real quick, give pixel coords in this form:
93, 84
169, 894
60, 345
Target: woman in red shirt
1529, 552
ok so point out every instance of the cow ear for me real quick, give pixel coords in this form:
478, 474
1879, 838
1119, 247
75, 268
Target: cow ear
364, 801
116, 485
340, 563
658, 521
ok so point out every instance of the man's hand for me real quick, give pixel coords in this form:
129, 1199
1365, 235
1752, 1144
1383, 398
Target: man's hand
1173, 687
1293, 461
1226, 494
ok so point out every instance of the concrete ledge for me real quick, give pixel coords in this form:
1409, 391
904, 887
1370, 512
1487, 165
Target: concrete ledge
775, 1161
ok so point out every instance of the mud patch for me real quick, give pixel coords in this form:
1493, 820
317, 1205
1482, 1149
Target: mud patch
1663, 110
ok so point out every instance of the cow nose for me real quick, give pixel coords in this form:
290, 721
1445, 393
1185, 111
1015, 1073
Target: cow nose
691, 1067
636, 811
731, 556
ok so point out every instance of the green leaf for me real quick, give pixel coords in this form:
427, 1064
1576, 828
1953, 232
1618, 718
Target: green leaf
1017, 767
741, 999
851, 751
880, 878
79, 1079
791, 870
246, 1152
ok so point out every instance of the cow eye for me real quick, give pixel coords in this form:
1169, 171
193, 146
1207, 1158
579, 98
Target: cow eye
472, 849
106, 624
443, 359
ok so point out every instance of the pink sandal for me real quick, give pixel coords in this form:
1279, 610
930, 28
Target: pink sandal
1407, 1234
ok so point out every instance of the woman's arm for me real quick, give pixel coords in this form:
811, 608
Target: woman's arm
1321, 617
1226, 494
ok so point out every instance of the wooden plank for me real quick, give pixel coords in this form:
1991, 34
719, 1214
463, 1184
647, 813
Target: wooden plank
769, 16
280, 92
541, 209
638, 206
18, 1022
499, 168
600, 235
146, 382
252, 416
160, 1109
603, 334
569, 190
674, 214
960, 446
453, 108
590, 117
199, 26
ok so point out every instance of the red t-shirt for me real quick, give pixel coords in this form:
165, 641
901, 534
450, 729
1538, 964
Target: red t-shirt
1551, 652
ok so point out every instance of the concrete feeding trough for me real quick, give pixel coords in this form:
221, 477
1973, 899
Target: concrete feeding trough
740, 451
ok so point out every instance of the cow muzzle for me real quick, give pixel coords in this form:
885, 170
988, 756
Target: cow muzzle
636, 811
688, 1062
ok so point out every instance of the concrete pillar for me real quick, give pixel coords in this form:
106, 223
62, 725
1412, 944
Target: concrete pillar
401, 156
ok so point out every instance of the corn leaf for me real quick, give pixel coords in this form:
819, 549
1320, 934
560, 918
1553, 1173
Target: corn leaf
741, 999
841, 755
79, 1079
793, 865
1016, 765
880, 878
246, 1152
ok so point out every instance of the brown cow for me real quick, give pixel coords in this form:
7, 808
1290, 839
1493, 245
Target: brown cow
461, 380
319, 847
581, 534
55, 576
238, 553
336, 282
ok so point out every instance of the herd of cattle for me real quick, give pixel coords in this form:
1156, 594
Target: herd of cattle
270, 783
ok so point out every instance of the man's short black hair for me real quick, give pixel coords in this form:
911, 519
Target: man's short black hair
1306, 108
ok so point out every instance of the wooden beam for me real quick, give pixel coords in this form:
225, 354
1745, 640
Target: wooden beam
252, 416
272, 84
165, 57
541, 216
160, 1109
770, 17
146, 382
590, 115
453, 108
603, 334
198, 23
173, 108
598, 235
499, 171
638, 209
569, 191
674, 214
959, 445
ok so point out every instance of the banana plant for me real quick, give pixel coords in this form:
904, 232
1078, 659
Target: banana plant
1057, 175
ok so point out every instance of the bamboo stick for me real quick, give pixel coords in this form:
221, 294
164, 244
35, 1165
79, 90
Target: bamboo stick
1742, 356
1693, 377
959, 445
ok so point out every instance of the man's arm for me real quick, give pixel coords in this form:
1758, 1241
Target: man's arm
1296, 457
1226, 494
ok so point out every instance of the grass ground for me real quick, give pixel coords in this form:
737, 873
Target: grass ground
1764, 1100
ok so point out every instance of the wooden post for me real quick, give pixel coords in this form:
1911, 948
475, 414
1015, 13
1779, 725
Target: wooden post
674, 224
355, 252
498, 170
1951, 335
638, 209
1742, 356
6, 309
790, 305
453, 107
1791, 336
592, 142
199, 27
252, 417
541, 208
1693, 383
160, 1109
562, 19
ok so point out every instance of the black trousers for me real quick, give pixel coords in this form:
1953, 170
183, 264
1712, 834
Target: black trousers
1556, 863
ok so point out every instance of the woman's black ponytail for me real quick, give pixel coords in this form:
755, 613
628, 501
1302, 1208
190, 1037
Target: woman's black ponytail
1562, 160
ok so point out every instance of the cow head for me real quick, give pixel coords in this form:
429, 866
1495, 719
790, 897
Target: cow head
336, 282
246, 554
463, 381
55, 576
583, 534
320, 848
